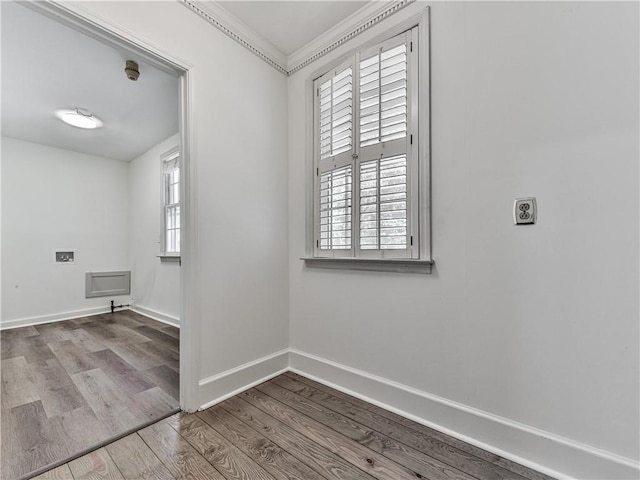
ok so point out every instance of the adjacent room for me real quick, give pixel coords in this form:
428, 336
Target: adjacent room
320, 240
90, 242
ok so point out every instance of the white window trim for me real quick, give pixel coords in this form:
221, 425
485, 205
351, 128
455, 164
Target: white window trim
421, 261
167, 157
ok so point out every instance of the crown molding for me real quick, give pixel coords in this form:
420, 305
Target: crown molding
361, 20
368, 16
235, 29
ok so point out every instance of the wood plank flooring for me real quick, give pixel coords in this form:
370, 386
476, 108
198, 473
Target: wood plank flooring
69, 386
290, 428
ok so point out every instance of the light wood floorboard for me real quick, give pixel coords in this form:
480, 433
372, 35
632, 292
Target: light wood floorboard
292, 428
70, 386
96, 465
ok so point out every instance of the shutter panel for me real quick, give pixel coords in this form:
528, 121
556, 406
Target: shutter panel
383, 95
383, 184
335, 143
336, 114
335, 209
383, 204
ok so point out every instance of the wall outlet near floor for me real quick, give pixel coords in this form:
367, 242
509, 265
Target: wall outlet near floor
524, 211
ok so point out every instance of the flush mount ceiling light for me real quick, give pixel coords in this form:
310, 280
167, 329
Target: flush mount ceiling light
79, 117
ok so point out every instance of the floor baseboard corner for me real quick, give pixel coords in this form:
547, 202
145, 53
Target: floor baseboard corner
156, 315
219, 387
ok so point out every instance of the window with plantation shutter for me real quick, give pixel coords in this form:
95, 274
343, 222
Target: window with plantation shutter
370, 171
171, 207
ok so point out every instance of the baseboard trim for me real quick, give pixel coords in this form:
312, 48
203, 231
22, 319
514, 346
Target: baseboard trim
218, 388
543, 451
56, 317
155, 315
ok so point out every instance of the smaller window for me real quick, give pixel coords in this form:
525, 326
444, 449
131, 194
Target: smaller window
171, 203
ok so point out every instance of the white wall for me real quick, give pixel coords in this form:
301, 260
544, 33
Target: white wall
155, 285
239, 135
536, 324
106, 209
57, 199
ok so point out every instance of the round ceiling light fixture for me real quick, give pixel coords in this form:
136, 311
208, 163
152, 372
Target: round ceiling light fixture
80, 118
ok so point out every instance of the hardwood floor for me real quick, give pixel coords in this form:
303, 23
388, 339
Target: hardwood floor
290, 428
73, 385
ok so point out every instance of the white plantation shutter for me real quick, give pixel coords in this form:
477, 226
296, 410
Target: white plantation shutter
383, 96
384, 189
334, 161
335, 209
336, 114
383, 204
366, 187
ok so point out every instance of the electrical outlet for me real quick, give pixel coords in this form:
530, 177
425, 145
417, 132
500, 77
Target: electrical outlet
524, 211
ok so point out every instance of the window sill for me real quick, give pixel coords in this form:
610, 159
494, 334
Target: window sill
170, 259
371, 264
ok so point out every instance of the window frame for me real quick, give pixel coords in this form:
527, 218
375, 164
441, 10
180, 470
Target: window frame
419, 257
169, 156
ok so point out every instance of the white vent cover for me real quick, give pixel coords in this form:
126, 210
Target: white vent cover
105, 284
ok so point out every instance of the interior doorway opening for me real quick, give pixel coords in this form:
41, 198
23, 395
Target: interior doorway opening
112, 345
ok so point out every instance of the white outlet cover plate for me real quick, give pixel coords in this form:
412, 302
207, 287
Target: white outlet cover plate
525, 211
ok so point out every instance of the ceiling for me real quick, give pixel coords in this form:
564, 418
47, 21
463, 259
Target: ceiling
47, 66
290, 25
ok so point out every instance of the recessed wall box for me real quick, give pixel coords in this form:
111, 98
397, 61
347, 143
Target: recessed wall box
64, 256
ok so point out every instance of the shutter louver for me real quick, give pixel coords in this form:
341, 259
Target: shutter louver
383, 96
336, 114
383, 204
335, 209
